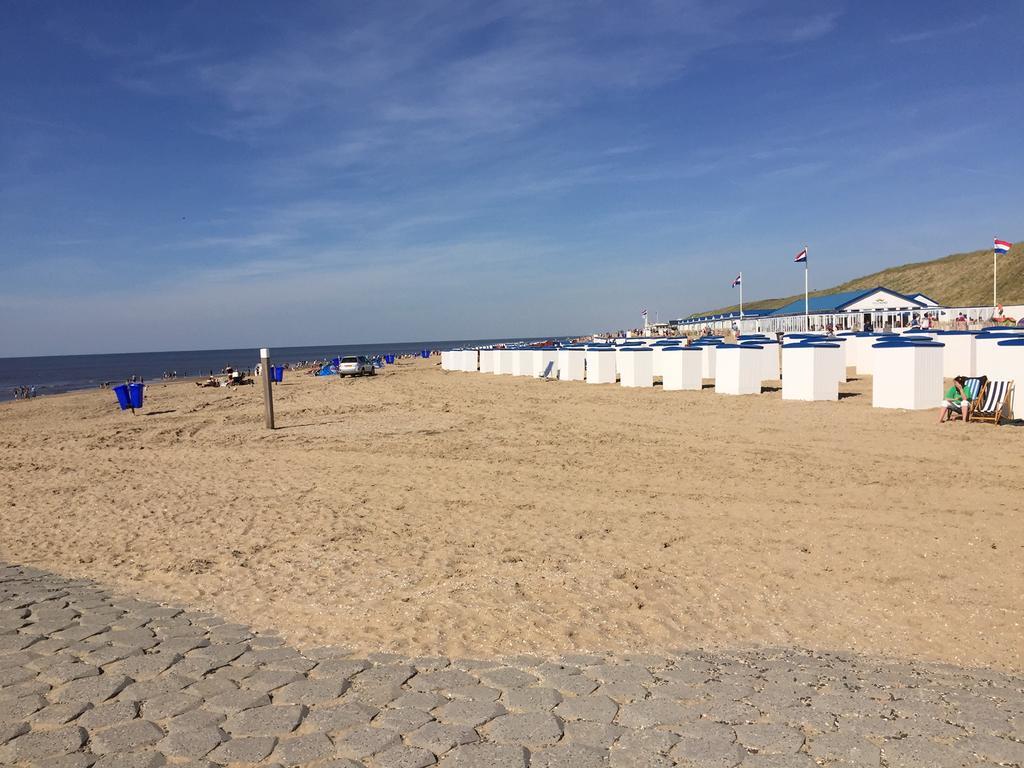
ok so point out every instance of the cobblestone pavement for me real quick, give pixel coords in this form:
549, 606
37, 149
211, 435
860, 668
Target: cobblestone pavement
88, 678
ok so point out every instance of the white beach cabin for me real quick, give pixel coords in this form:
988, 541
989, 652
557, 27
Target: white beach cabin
906, 374
600, 365
809, 371
738, 369
503, 361
572, 364
522, 362
636, 367
486, 361
545, 363
681, 368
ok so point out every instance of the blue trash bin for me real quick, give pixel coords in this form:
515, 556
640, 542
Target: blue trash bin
123, 398
279, 373
425, 354
135, 394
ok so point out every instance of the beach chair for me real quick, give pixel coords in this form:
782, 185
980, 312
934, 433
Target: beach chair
973, 388
994, 398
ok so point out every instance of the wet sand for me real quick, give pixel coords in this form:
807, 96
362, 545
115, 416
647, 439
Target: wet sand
420, 511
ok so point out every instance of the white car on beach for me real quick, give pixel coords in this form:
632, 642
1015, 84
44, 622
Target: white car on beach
356, 365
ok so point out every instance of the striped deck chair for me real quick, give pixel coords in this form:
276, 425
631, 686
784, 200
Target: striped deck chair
994, 398
972, 388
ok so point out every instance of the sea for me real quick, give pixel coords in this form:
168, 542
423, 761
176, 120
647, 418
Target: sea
54, 374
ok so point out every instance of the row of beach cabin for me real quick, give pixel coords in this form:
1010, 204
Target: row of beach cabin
907, 369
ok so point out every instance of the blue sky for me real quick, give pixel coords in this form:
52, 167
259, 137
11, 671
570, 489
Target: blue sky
219, 174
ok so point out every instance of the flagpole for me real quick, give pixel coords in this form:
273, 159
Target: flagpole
741, 295
807, 302
995, 261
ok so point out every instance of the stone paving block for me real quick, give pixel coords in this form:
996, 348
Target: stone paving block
402, 720
110, 713
267, 680
591, 734
485, 756
143, 759
473, 693
309, 691
390, 674
90, 689
629, 758
20, 708
38, 745
531, 699
108, 654
13, 675
169, 705
647, 740
506, 678
622, 692
644, 714
192, 744
126, 737
141, 638
471, 713
21, 690
340, 717
364, 741
209, 687
569, 756
342, 669
74, 760
436, 681
222, 654
58, 714
594, 708
301, 750
996, 749
766, 738
274, 719
144, 667
842, 746
17, 642
182, 645
571, 685
787, 761
193, 720
158, 686
9, 730
428, 663
439, 738
532, 729
403, 757
245, 749
236, 701
614, 673
705, 743
425, 700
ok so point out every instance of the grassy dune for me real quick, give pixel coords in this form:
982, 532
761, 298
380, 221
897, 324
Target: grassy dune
961, 279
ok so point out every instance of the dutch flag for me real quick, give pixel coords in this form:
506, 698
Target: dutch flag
737, 281
1001, 246
802, 256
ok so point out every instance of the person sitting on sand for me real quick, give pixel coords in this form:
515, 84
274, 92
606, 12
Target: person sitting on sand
956, 400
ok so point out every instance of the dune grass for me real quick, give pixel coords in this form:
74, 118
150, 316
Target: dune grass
957, 280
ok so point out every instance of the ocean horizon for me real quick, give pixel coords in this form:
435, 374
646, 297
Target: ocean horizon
55, 374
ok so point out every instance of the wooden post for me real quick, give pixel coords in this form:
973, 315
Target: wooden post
268, 395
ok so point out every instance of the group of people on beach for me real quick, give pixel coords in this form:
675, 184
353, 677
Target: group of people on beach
24, 393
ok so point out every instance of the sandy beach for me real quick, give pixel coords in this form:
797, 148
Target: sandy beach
420, 511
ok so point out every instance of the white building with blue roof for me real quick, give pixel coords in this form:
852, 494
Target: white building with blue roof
846, 310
